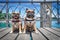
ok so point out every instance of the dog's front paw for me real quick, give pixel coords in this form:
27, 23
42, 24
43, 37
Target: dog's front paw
11, 32
36, 31
20, 32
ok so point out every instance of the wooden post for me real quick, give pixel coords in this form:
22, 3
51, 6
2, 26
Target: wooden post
7, 19
45, 20
58, 20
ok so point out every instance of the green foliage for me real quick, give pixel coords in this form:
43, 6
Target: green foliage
3, 16
10, 16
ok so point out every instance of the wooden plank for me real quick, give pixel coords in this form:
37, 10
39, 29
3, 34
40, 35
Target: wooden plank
53, 31
23, 37
49, 35
2, 29
10, 36
4, 33
57, 29
38, 36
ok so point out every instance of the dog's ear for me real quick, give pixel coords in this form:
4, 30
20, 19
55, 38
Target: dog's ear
17, 13
26, 10
13, 14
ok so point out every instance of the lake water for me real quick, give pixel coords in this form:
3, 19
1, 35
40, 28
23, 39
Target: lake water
53, 24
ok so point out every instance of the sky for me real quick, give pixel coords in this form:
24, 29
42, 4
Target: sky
22, 7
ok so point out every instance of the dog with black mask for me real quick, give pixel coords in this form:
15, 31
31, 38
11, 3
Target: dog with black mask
29, 22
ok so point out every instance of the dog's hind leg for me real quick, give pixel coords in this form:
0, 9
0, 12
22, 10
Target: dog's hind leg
12, 28
20, 27
24, 28
35, 28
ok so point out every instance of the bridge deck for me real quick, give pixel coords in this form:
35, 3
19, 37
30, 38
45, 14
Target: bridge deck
43, 34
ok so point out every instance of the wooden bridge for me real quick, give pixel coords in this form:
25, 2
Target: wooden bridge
43, 34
